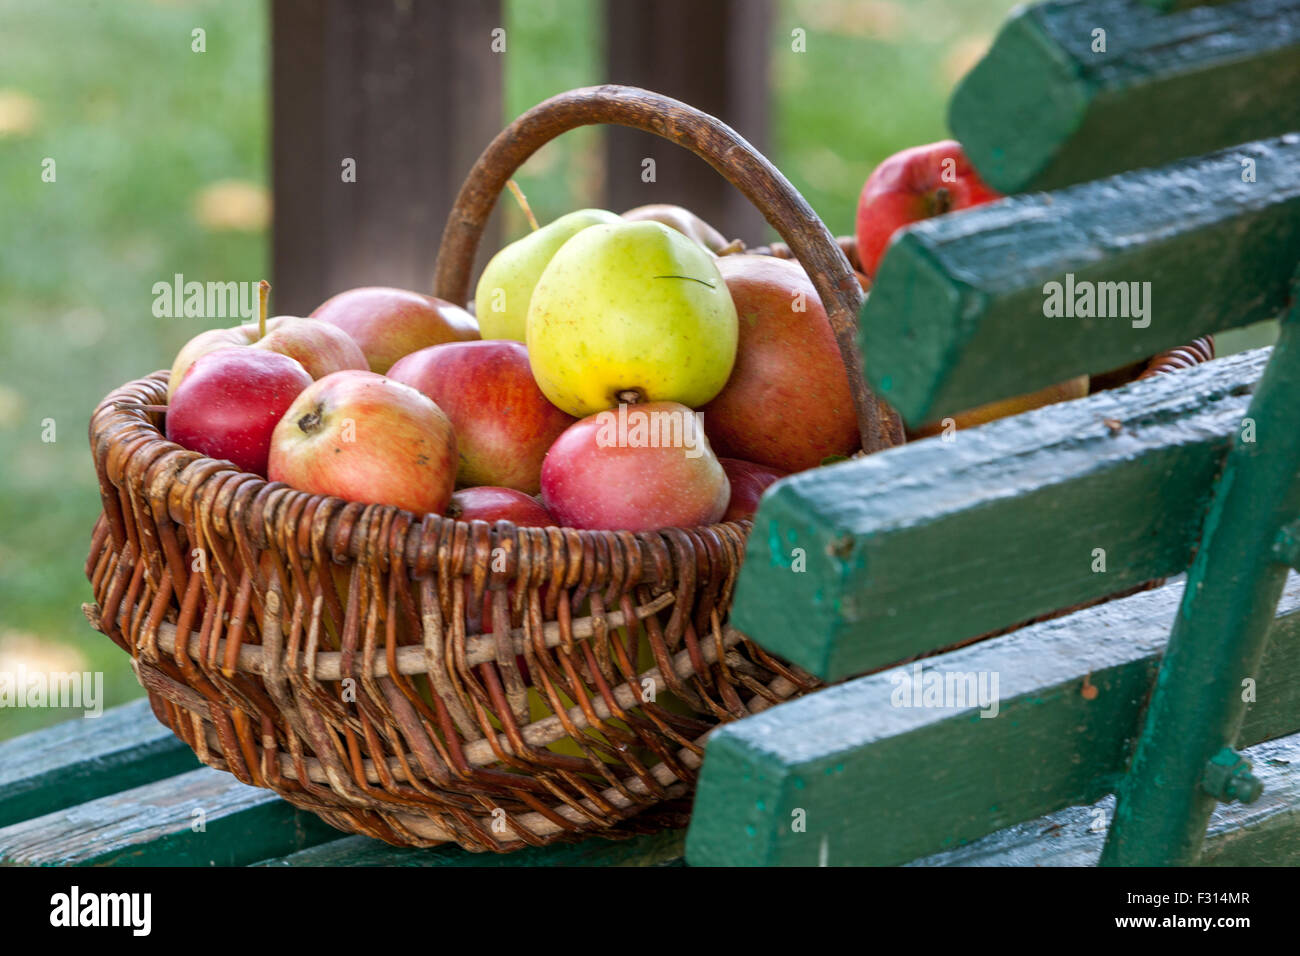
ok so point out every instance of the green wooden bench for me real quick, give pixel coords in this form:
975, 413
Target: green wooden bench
122, 790
989, 752
1172, 159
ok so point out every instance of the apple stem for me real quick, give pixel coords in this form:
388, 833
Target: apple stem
263, 293
630, 396
523, 203
942, 201
311, 421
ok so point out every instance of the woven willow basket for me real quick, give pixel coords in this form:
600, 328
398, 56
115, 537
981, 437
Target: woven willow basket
423, 680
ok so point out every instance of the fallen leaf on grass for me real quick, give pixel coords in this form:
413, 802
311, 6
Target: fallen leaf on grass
233, 205
18, 113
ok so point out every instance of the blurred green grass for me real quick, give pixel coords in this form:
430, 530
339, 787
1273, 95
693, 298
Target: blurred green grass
136, 124
139, 125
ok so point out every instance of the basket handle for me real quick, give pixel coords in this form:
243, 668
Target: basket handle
723, 149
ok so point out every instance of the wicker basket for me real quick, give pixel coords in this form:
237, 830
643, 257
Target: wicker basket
335, 652
424, 680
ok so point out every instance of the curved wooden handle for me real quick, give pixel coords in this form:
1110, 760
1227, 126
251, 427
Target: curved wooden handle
723, 149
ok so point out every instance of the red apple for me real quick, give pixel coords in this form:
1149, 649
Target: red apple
637, 468
202, 344
389, 323
358, 436
322, 348
915, 184
748, 482
504, 424
230, 401
787, 403
486, 503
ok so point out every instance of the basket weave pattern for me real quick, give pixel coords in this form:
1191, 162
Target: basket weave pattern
334, 652
423, 680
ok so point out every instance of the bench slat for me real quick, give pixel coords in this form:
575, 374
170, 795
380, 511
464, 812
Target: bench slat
920, 547
1264, 833
956, 316
153, 825
884, 784
81, 759
1045, 108
655, 849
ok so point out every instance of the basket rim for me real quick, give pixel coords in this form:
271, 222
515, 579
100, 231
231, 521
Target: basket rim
172, 476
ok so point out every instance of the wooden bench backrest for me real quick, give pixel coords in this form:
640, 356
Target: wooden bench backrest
875, 561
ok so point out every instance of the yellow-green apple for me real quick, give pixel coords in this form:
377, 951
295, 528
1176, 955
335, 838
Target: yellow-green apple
506, 286
389, 323
488, 503
320, 347
637, 468
681, 219
912, 185
1002, 408
230, 401
361, 437
630, 311
748, 482
503, 422
787, 404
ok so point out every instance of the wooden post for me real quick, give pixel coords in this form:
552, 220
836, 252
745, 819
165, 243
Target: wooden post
408, 91
712, 54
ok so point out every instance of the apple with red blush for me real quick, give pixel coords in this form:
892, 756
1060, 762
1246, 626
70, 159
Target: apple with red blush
637, 468
362, 437
912, 185
504, 424
320, 347
230, 402
748, 482
389, 323
323, 349
492, 504
787, 403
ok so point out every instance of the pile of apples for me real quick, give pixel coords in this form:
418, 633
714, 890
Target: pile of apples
393, 397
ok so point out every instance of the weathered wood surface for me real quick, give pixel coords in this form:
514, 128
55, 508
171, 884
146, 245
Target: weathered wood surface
956, 317
76, 793
1264, 833
1221, 632
156, 825
81, 759
919, 547
656, 849
411, 92
714, 56
1049, 107
875, 783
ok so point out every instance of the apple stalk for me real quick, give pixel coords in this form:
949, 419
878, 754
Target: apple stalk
263, 293
523, 203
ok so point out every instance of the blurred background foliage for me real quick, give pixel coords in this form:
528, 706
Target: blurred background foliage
162, 168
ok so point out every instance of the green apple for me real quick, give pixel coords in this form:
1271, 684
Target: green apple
504, 289
631, 311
